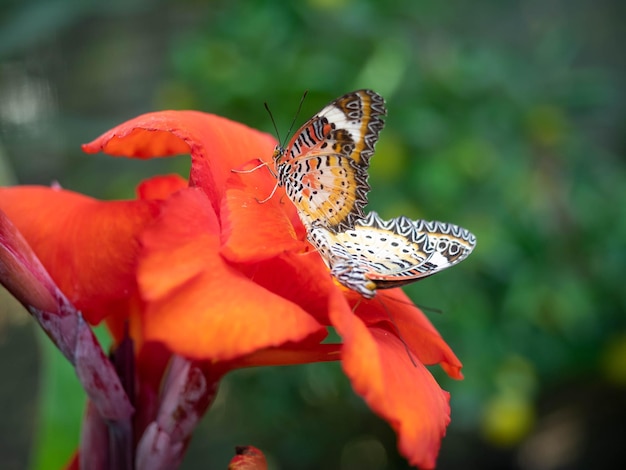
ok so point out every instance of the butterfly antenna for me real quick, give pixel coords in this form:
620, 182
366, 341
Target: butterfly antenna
296, 116
424, 308
267, 108
429, 309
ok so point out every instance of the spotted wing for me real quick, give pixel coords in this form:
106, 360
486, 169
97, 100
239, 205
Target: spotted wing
404, 250
324, 166
346, 267
326, 189
378, 254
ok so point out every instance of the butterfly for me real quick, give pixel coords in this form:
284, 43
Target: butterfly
324, 166
380, 254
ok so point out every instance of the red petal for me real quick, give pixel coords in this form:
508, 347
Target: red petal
248, 458
89, 247
301, 278
405, 395
254, 231
199, 305
394, 308
304, 352
22, 274
217, 145
160, 187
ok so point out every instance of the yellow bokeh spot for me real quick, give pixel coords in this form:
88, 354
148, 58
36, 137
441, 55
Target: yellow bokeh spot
175, 95
507, 419
390, 159
546, 125
614, 360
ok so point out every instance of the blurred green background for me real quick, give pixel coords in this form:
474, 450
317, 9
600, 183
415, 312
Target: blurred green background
505, 117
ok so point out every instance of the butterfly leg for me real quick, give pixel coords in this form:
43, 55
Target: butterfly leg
251, 170
261, 165
270, 196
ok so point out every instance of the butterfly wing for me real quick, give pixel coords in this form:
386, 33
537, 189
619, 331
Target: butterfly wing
379, 254
344, 266
452, 244
355, 123
324, 166
327, 189
409, 250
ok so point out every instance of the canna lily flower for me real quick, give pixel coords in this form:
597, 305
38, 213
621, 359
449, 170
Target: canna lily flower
200, 270
248, 458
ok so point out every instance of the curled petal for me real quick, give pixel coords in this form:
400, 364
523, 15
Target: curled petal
405, 394
216, 144
160, 187
395, 309
197, 303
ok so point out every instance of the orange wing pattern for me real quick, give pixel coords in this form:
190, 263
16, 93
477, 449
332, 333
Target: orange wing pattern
324, 166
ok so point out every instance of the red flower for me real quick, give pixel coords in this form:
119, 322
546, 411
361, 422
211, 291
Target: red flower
204, 269
248, 458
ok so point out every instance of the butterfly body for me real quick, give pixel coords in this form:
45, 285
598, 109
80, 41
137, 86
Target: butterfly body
324, 166
379, 254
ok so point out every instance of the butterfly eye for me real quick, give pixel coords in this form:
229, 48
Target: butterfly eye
279, 152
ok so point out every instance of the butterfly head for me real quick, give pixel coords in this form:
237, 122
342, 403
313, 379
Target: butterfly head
279, 153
